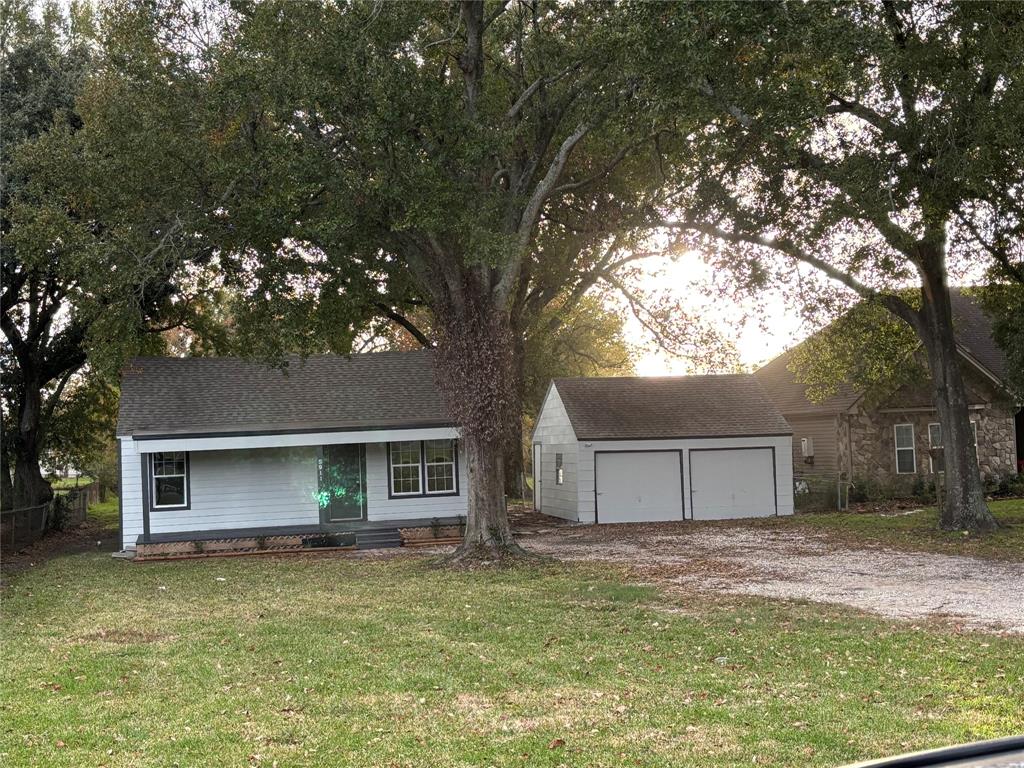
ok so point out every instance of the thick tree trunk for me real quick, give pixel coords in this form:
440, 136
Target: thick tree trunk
30, 488
964, 508
475, 373
6, 484
487, 527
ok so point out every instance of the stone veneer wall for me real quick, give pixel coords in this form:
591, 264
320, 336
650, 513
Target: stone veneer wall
872, 447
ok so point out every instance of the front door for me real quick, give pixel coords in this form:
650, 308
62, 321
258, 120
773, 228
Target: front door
341, 475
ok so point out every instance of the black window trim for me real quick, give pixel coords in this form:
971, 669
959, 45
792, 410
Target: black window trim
151, 484
423, 493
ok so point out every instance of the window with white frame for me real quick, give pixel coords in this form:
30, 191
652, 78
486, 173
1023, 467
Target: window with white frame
934, 441
405, 468
439, 461
906, 456
169, 479
559, 470
423, 468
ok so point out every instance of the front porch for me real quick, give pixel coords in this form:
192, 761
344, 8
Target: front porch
282, 539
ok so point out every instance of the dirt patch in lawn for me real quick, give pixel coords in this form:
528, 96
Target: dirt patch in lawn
123, 637
750, 560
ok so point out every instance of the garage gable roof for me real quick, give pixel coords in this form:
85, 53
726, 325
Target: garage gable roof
665, 407
226, 395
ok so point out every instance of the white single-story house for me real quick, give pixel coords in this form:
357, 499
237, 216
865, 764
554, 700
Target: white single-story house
645, 449
216, 448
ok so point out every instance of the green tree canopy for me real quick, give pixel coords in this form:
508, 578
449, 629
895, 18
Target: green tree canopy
875, 145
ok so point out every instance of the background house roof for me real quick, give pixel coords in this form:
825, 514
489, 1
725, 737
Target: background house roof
973, 332
216, 395
664, 407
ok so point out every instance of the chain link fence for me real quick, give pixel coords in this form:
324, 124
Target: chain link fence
21, 527
821, 492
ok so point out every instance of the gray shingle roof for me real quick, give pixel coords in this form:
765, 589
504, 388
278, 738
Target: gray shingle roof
662, 407
973, 332
217, 395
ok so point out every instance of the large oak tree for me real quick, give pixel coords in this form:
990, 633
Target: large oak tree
482, 159
875, 144
101, 205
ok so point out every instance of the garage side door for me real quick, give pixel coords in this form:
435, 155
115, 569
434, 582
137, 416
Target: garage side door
728, 484
635, 487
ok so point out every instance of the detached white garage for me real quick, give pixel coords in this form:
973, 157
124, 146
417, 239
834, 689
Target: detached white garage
651, 449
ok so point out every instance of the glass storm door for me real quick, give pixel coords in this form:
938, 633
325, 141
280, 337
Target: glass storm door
341, 475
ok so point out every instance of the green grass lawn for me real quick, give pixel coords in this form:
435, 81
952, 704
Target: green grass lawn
105, 515
308, 661
919, 531
67, 483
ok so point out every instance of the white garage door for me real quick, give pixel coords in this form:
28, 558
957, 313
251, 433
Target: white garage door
638, 486
726, 484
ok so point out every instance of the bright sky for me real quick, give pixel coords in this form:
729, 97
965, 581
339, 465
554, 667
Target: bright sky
755, 345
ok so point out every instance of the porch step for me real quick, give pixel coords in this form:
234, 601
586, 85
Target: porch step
378, 539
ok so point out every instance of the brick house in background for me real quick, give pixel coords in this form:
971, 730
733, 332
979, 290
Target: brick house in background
886, 441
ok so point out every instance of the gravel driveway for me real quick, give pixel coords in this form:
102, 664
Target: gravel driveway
754, 561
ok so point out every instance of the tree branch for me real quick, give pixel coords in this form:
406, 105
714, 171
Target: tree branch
401, 320
530, 215
787, 247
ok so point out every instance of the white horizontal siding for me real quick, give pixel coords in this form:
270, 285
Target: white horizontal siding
130, 489
246, 489
555, 434
265, 487
380, 507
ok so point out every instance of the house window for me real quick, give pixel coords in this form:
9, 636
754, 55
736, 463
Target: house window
169, 474
439, 460
559, 470
405, 468
423, 468
934, 441
906, 458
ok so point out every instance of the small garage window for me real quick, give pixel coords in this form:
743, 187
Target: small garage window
906, 458
559, 470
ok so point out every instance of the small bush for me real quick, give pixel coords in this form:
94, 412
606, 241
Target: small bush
199, 546
1009, 485
923, 490
866, 489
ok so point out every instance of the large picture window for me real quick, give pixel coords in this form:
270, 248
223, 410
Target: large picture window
906, 458
405, 468
423, 468
169, 472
